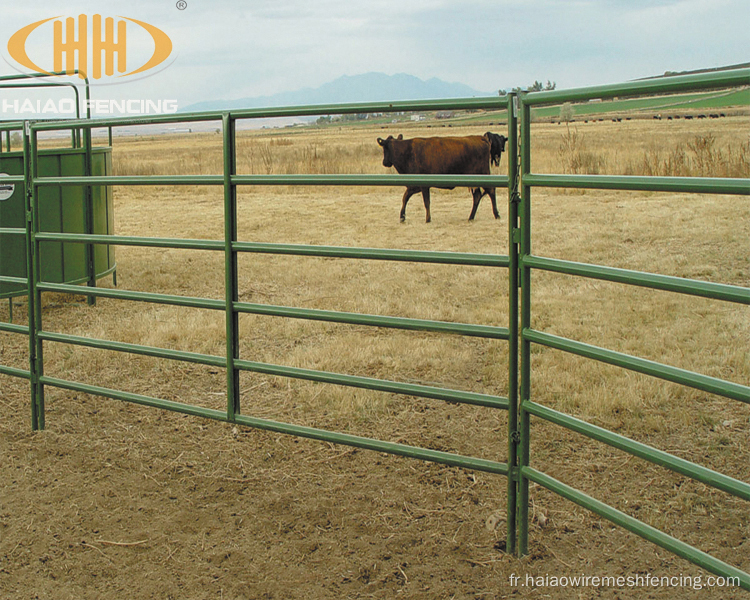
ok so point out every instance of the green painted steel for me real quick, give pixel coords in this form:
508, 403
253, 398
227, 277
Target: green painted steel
645, 531
693, 287
520, 261
641, 183
78, 209
529, 336
658, 457
697, 381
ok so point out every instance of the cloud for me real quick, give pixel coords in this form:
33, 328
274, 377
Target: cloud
234, 48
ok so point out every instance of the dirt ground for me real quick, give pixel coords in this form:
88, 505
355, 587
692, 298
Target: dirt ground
119, 501
114, 500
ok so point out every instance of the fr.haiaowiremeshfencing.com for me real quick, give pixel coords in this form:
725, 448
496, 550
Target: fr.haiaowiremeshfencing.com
638, 580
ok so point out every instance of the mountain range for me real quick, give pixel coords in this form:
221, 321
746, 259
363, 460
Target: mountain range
367, 87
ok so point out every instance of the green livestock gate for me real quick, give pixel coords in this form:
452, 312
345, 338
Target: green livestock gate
520, 261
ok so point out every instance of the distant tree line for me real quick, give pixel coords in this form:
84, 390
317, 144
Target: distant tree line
537, 86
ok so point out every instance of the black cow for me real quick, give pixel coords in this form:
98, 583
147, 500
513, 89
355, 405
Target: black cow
469, 155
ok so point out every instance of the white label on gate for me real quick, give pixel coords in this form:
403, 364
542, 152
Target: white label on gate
6, 189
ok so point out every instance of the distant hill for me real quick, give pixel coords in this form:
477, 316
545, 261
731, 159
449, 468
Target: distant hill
368, 87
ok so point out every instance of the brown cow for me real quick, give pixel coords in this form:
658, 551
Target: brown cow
468, 155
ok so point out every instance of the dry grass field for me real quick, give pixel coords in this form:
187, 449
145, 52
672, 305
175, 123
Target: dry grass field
114, 500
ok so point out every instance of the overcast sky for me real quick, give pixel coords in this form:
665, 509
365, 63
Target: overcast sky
233, 49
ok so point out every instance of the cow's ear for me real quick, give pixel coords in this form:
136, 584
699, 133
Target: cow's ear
400, 136
381, 141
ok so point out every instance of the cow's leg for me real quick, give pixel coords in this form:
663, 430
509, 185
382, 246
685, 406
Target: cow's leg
426, 198
477, 194
491, 193
410, 191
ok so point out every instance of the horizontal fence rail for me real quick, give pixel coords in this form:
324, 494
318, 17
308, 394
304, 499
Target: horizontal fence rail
693, 287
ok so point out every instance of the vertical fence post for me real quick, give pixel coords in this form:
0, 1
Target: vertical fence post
33, 382
34, 272
230, 266
88, 217
525, 387
513, 240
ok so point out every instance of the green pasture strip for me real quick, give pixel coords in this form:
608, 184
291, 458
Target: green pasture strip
660, 85
381, 385
191, 357
693, 287
736, 98
13, 372
697, 381
436, 456
677, 102
484, 331
644, 451
644, 183
678, 547
424, 256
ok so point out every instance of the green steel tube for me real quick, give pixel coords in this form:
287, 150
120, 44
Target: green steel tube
187, 301
513, 281
693, 287
658, 457
34, 274
98, 180
7, 279
13, 372
88, 217
425, 256
646, 183
121, 240
381, 385
525, 346
658, 85
485, 331
312, 180
705, 383
309, 110
377, 180
231, 285
448, 258
436, 456
166, 353
13, 328
639, 528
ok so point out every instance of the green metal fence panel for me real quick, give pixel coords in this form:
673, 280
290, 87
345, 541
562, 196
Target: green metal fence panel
520, 261
529, 262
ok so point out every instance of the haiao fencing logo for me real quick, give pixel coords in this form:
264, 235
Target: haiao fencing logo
106, 51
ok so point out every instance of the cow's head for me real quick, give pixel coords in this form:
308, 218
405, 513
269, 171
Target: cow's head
497, 146
387, 145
